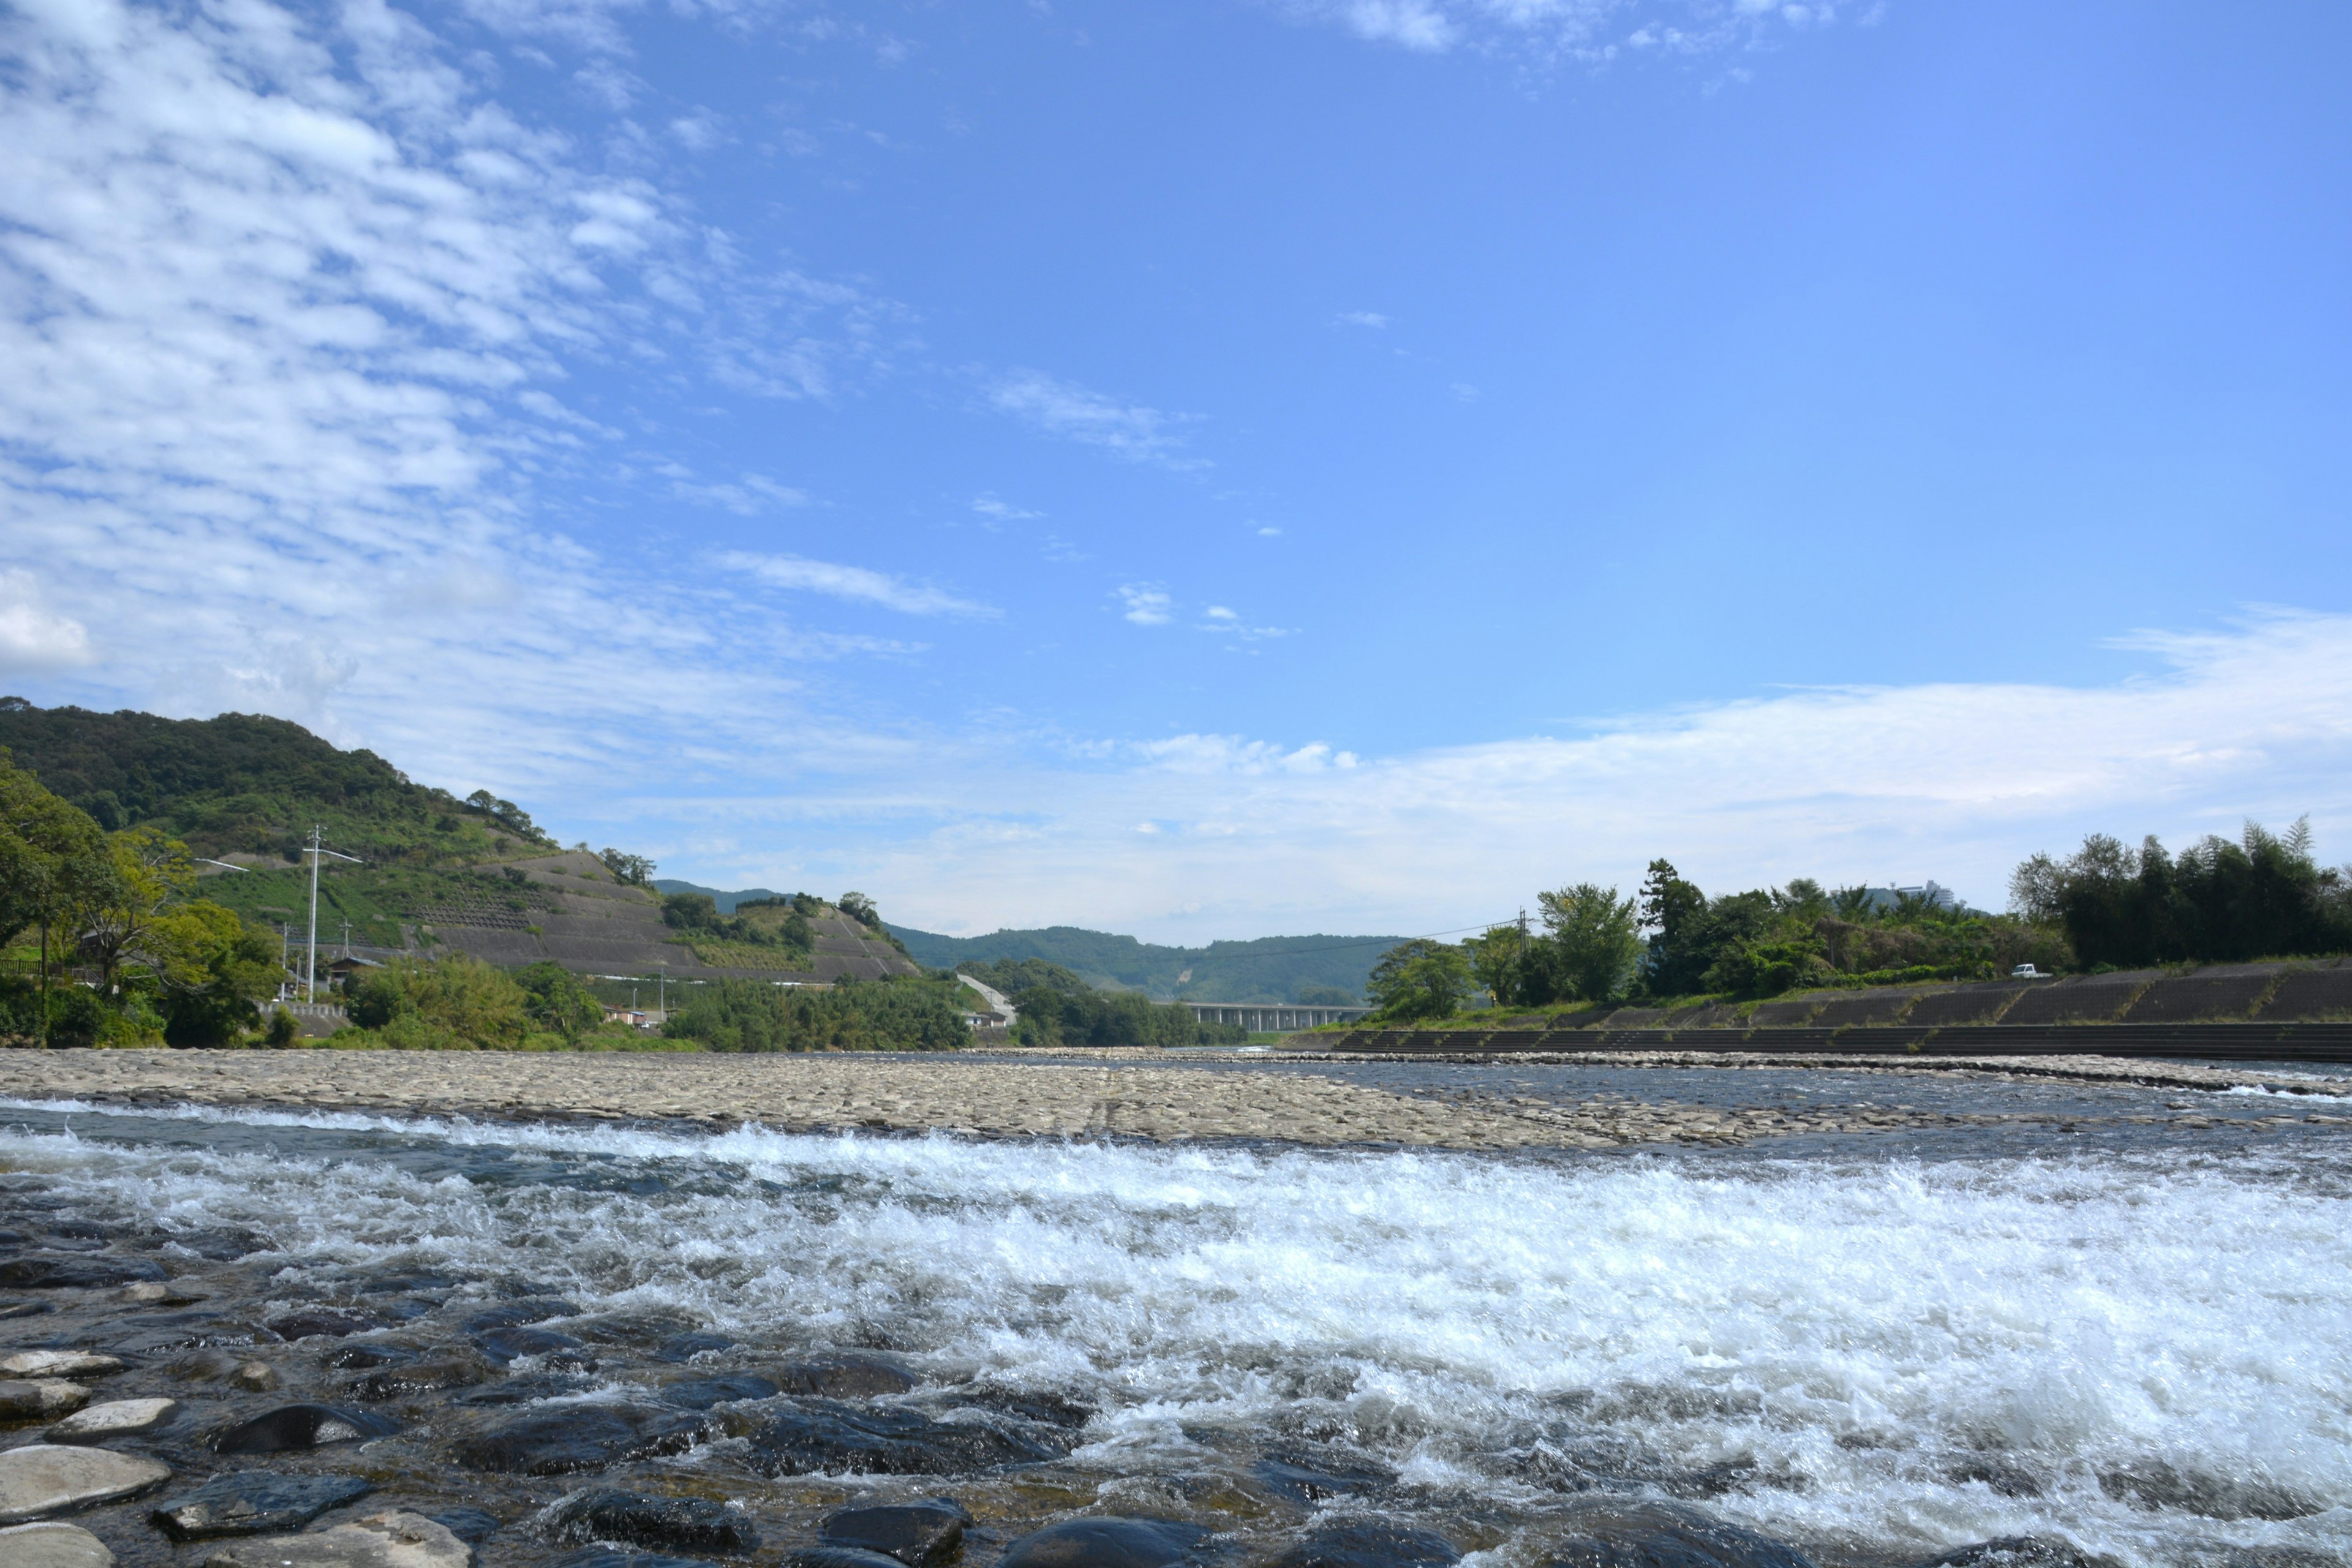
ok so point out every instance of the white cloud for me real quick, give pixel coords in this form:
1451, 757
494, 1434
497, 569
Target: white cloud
988, 505
1148, 603
1589, 30
33, 638
1956, 781
281, 297
1372, 319
1462, 391
1269, 532
748, 496
856, 583
1132, 431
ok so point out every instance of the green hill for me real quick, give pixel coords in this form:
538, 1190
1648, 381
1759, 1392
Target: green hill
1270, 969
249, 785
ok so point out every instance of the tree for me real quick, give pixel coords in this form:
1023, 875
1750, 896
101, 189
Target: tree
53, 860
1419, 979
213, 972
1498, 960
636, 870
557, 1002
860, 908
2260, 897
1594, 940
1674, 912
453, 1003
121, 924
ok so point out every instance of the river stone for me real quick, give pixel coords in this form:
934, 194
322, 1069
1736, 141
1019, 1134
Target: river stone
1107, 1541
366, 1355
632, 1519
574, 1438
1609, 1534
514, 1314
606, 1557
538, 1385
2015, 1551
823, 1436
919, 1534
838, 1557
49, 1272
115, 1418
471, 1525
414, 1377
686, 1347
295, 1426
323, 1323
560, 1352
1368, 1543
43, 1479
379, 1540
247, 1502
702, 1392
59, 1364
843, 1375
53, 1546
1306, 1478
39, 1399
2158, 1485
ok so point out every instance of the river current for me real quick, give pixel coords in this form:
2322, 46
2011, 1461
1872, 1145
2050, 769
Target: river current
1879, 1354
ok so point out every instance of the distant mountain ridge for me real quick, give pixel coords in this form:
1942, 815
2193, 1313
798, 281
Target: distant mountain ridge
1268, 969
719, 896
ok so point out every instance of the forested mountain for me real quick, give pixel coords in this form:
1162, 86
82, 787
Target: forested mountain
1330, 969
243, 782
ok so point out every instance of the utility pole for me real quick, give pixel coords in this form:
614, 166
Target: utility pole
318, 851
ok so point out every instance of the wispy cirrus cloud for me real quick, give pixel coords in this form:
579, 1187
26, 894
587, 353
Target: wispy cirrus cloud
1147, 603
799, 574
1591, 30
1134, 431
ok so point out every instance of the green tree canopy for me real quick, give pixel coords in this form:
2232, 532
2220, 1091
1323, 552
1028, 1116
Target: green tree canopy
1593, 940
1419, 979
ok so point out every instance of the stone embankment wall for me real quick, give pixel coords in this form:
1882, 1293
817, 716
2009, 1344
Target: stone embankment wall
2246, 1012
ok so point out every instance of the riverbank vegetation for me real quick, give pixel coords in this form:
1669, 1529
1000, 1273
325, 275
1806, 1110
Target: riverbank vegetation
1671, 944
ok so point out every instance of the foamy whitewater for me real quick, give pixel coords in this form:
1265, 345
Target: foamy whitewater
1876, 1360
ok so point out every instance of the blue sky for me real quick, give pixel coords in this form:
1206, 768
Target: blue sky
1204, 470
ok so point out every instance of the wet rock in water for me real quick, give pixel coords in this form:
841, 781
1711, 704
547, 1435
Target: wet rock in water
2275, 1557
115, 1418
379, 1540
634, 1518
471, 1525
1045, 1409
46, 1271
702, 1392
524, 1390
576, 1438
53, 1546
560, 1352
2006, 1480
2158, 1485
2015, 1551
323, 1323
682, 1348
59, 1364
632, 1327
1369, 1543
220, 1245
247, 1502
258, 1376
606, 1557
361, 1357
414, 1377
838, 1557
1108, 1542
514, 1314
919, 1535
407, 1282
845, 1374
821, 1436
22, 1307
174, 1331
39, 1399
44, 1479
296, 1426
156, 1293
1312, 1478
1610, 1534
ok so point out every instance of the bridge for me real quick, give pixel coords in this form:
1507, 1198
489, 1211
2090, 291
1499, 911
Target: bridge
1274, 1017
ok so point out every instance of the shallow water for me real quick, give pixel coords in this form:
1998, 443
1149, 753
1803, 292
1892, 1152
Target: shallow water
2144, 1350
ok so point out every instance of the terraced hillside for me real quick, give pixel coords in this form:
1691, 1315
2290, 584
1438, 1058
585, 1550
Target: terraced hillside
583, 919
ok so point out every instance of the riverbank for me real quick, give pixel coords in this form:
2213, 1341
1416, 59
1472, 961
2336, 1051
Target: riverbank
1136, 1094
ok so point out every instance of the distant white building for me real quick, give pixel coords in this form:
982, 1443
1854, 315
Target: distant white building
1933, 892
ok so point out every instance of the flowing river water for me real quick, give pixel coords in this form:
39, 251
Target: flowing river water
1877, 1350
